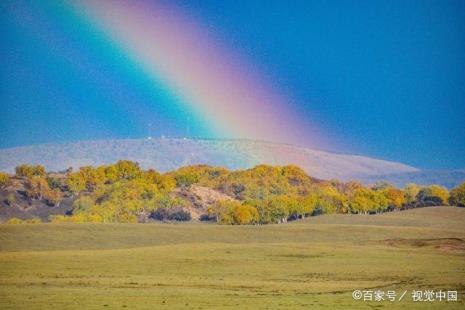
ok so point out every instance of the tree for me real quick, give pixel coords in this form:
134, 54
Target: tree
82, 204
395, 197
380, 185
411, 191
126, 169
457, 196
273, 210
433, 195
234, 213
37, 188
53, 197
244, 214
362, 201
186, 180
4, 180
87, 178
54, 183
165, 183
220, 211
295, 175
27, 171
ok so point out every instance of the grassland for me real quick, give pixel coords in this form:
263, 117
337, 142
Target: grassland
315, 263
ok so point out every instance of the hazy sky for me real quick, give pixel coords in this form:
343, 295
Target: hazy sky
378, 78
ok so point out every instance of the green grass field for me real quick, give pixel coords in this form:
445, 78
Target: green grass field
315, 263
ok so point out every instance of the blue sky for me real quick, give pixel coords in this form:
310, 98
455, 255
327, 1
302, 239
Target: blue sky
381, 78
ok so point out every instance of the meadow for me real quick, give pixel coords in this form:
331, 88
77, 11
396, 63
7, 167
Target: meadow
309, 264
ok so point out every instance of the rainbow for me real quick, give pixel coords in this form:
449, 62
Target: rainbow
212, 81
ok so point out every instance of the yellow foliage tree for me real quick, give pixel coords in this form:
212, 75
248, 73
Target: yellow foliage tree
457, 196
4, 180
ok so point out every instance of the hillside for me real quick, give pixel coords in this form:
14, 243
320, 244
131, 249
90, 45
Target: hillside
170, 154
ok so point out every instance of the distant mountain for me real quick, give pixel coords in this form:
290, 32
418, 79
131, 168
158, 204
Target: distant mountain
169, 154
447, 178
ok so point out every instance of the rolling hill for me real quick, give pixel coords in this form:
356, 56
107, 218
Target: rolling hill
169, 154
446, 178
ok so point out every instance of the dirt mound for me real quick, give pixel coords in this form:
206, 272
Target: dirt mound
200, 198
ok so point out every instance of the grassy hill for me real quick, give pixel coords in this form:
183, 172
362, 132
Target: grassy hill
314, 263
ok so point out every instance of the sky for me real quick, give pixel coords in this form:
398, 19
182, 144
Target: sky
377, 78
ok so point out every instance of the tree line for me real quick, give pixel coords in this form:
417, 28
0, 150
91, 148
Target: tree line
123, 192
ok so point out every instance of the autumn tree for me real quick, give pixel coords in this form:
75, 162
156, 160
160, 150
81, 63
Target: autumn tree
37, 188
4, 180
126, 169
273, 210
86, 179
457, 196
396, 197
433, 195
186, 180
411, 191
83, 204
53, 197
244, 214
361, 201
28, 171
380, 185
234, 213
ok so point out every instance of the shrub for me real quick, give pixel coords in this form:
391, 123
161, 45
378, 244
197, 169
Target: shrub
180, 215
10, 199
171, 214
15, 220
34, 220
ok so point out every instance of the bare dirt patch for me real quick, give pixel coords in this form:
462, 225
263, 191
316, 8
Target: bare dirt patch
443, 244
200, 198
